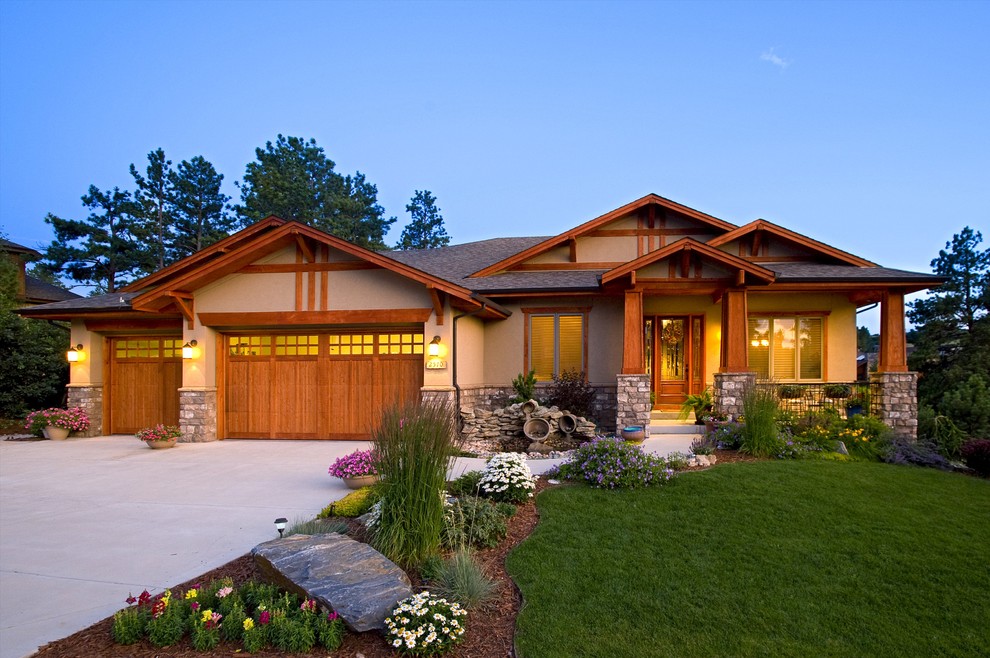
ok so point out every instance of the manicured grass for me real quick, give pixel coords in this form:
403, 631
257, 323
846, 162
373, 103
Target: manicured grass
761, 559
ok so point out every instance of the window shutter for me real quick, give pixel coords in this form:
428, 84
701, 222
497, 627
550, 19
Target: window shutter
811, 348
541, 346
784, 349
571, 355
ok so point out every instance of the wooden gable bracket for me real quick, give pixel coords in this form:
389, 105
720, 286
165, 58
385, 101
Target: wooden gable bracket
741, 278
304, 248
757, 243
572, 245
437, 297
187, 306
685, 263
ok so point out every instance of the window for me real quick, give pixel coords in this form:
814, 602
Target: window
556, 343
148, 348
786, 348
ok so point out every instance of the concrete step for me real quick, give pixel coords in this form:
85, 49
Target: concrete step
660, 427
657, 414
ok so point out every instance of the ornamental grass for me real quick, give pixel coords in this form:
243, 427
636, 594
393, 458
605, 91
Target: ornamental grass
414, 446
760, 436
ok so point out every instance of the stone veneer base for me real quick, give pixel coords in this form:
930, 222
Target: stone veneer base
730, 388
90, 398
899, 402
198, 414
632, 401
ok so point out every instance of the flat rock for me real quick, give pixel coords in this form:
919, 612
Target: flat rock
352, 578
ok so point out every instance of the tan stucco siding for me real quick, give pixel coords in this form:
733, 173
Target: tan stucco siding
89, 370
556, 255
606, 249
470, 352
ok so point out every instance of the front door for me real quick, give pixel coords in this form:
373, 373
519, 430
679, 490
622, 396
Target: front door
674, 358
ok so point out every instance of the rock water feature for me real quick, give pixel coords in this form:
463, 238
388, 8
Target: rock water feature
352, 578
488, 431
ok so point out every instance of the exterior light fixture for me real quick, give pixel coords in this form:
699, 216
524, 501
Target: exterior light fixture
434, 348
75, 354
280, 525
187, 349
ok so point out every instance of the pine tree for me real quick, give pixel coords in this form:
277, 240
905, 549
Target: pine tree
426, 229
153, 198
199, 208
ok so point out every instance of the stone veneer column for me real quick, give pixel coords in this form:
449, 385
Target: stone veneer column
446, 394
632, 398
198, 414
730, 387
899, 402
90, 398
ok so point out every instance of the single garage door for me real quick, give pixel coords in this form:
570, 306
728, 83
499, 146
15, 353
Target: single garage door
318, 385
145, 376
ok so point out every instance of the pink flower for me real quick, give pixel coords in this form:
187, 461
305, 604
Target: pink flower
331, 616
194, 606
264, 618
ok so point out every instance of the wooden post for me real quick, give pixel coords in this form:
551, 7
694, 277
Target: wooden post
893, 342
632, 335
735, 356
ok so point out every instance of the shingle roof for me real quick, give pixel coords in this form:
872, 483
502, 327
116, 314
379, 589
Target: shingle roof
14, 248
36, 290
802, 272
456, 262
118, 301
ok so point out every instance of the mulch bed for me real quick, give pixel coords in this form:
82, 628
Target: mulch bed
490, 629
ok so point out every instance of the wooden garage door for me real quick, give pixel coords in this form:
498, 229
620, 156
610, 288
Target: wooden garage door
145, 376
319, 384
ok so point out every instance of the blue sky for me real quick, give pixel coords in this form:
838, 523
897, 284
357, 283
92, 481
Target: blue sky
864, 125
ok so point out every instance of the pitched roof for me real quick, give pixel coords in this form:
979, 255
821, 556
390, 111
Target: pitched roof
692, 245
38, 291
14, 248
792, 237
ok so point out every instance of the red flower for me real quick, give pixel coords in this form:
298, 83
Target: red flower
264, 618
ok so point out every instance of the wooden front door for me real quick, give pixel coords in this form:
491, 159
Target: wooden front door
145, 375
674, 358
320, 384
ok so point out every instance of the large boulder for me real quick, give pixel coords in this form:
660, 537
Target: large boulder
354, 579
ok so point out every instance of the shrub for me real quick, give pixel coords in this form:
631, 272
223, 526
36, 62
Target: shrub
524, 386
507, 478
352, 505
467, 484
914, 453
474, 521
610, 463
940, 429
507, 510
462, 579
414, 446
968, 404
571, 392
356, 464
703, 445
677, 461
760, 429
408, 627
729, 436
977, 455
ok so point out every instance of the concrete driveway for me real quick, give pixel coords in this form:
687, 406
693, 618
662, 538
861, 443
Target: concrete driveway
85, 522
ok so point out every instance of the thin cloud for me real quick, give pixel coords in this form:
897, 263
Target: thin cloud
775, 59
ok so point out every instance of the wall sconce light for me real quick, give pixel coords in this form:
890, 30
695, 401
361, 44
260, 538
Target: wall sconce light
75, 354
434, 348
187, 349
280, 525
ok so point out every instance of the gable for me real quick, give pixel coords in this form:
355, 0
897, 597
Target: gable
627, 233
689, 263
761, 241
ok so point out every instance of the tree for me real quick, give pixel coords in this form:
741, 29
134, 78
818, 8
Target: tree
101, 251
952, 341
35, 373
294, 179
865, 341
426, 229
153, 200
199, 208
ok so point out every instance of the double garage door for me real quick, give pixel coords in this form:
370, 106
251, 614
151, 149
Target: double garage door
317, 384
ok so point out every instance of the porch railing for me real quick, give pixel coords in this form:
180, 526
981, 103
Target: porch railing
819, 396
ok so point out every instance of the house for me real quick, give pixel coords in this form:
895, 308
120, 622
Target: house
30, 289
283, 331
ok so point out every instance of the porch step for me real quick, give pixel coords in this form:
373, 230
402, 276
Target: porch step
657, 414
660, 427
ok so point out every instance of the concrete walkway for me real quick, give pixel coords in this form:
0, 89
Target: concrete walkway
85, 522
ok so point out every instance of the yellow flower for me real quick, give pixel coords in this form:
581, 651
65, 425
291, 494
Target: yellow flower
207, 615
248, 624
191, 594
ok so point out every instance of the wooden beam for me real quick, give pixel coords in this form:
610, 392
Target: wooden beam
893, 341
304, 248
741, 278
632, 335
734, 355
685, 263
186, 304
437, 304
283, 318
572, 245
547, 267
279, 268
151, 324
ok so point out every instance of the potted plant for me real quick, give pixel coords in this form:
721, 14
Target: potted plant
56, 423
358, 469
710, 420
699, 403
790, 391
857, 402
837, 391
160, 436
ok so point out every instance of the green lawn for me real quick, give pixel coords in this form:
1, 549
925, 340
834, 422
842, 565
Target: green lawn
777, 558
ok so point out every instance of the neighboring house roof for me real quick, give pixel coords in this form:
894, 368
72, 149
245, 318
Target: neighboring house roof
14, 248
37, 291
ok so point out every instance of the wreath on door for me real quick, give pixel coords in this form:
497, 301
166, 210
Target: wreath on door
672, 333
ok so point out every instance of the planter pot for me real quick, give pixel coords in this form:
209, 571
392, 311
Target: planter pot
57, 433
855, 410
161, 445
633, 433
359, 481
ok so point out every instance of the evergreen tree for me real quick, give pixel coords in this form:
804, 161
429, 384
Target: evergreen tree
102, 250
199, 208
294, 179
426, 228
153, 199
952, 340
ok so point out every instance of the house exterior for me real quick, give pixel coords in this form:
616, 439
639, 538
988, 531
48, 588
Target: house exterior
288, 332
30, 289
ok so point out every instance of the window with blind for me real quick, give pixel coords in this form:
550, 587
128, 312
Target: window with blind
786, 348
556, 344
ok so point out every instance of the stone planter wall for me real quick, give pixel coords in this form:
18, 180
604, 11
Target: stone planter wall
730, 388
899, 402
198, 415
490, 398
90, 398
484, 431
632, 398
